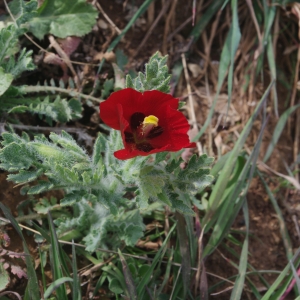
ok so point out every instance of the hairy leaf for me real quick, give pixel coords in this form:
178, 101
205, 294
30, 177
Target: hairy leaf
63, 18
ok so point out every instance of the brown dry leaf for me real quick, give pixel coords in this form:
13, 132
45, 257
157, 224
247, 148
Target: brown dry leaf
102, 24
231, 116
148, 245
69, 44
109, 56
54, 59
264, 168
18, 271
195, 70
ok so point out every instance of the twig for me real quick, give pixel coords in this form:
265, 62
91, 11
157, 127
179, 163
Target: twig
200, 261
41, 48
98, 266
107, 18
162, 12
253, 16
178, 29
167, 26
192, 114
150, 14
66, 59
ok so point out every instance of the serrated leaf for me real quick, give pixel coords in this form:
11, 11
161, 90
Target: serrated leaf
5, 81
8, 42
16, 157
18, 109
70, 199
108, 86
63, 18
67, 142
97, 155
24, 176
203, 182
45, 205
23, 11
149, 186
41, 187
4, 278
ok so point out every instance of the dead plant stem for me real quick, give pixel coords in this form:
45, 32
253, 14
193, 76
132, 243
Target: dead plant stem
160, 15
192, 114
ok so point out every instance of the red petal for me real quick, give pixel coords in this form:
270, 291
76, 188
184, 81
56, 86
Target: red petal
126, 154
117, 110
109, 111
175, 131
132, 101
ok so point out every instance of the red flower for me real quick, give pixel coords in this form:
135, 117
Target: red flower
149, 122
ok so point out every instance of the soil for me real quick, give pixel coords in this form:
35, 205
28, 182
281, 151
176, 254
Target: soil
266, 248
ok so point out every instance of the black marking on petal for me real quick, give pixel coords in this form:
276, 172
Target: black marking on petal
129, 137
136, 120
145, 147
156, 131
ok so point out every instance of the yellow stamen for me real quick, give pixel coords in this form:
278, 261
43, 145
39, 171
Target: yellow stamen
148, 124
150, 120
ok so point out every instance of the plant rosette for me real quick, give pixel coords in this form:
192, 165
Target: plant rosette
149, 122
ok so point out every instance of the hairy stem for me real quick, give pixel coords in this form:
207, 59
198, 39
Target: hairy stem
72, 93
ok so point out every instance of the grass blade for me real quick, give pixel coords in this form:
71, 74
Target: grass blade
270, 293
206, 17
55, 285
221, 184
128, 278
283, 229
32, 286
55, 259
272, 66
184, 247
147, 277
139, 12
239, 283
278, 130
76, 282
229, 209
235, 37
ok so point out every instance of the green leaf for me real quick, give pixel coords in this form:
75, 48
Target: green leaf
4, 278
108, 86
70, 199
63, 18
8, 42
150, 185
121, 58
41, 187
55, 285
23, 11
24, 176
14, 157
32, 286
115, 286
67, 142
5, 81
278, 130
44, 205
156, 76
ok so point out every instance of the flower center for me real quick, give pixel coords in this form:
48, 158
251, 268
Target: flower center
148, 124
143, 130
